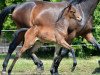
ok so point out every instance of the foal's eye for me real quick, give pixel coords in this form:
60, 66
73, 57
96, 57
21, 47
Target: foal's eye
72, 11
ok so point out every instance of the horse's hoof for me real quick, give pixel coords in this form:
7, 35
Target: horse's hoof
9, 73
99, 62
98, 47
3, 73
74, 66
40, 69
55, 73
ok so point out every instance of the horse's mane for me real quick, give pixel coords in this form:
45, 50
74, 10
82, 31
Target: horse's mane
79, 1
75, 1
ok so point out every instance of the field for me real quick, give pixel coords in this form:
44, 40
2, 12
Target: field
87, 66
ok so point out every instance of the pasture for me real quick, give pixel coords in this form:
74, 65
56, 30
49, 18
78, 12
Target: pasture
26, 66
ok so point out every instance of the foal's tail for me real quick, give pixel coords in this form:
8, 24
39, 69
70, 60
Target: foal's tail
4, 13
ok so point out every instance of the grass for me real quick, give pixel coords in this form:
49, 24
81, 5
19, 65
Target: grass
85, 66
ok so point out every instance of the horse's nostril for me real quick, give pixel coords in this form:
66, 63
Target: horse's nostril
79, 18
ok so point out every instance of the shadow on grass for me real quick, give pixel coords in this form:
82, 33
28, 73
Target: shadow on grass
96, 71
40, 55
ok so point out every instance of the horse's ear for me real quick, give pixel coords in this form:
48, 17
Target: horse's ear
69, 7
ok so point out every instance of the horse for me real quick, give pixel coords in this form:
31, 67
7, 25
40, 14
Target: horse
83, 8
62, 4
47, 31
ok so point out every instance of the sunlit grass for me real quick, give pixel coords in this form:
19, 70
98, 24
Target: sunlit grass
85, 66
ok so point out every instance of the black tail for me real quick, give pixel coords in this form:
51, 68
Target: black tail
4, 13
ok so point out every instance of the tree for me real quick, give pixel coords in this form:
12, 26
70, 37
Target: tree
2, 4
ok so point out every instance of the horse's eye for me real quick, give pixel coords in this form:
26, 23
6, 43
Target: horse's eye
72, 11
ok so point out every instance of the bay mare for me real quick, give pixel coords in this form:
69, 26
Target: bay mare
85, 6
44, 27
17, 16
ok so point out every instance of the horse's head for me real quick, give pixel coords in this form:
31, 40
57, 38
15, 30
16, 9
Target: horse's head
72, 12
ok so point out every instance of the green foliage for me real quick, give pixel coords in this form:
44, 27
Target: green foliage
55, 0
2, 4
9, 2
9, 25
97, 16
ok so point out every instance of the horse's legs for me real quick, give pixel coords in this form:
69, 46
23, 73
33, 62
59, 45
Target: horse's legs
37, 62
30, 38
35, 59
16, 41
58, 56
74, 60
37, 45
90, 38
57, 59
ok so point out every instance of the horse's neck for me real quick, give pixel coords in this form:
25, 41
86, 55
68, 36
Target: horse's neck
88, 6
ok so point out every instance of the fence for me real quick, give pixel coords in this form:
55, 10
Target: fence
4, 44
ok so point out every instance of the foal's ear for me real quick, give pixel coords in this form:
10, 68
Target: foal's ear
69, 8
72, 9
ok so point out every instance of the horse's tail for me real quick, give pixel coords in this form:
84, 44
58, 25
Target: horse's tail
4, 13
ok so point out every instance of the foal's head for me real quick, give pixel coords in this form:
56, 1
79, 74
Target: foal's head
72, 12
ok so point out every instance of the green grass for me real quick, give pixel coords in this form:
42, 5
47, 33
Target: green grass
85, 66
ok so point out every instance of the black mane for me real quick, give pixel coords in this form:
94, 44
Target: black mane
75, 1
79, 1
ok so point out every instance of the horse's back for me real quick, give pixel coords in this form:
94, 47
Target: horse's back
22, 13
47, 12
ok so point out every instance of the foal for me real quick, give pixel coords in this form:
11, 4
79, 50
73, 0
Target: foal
52, 32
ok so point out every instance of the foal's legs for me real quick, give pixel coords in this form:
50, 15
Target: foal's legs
19, 36
30, 38
59, 56
57, 59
